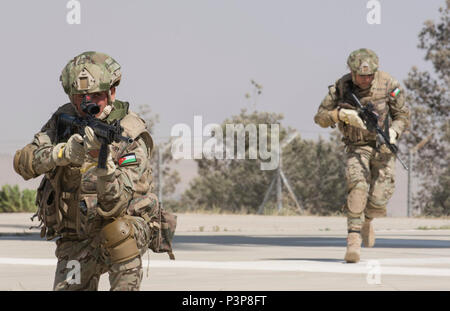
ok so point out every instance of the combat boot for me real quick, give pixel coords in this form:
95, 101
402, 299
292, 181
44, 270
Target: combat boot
353, 247
367, 233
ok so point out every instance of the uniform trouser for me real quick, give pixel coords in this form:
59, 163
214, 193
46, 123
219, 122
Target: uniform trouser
370, 184
93, 262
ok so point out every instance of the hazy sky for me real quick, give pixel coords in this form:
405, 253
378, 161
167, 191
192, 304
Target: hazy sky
196, 57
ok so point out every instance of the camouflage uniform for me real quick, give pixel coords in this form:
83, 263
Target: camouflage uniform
101, 221
369, 170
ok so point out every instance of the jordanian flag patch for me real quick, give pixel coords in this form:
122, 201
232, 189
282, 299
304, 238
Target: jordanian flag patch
395, 92
127, 159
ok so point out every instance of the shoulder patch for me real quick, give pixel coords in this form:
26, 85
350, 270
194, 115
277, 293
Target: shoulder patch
395, 92
128, 159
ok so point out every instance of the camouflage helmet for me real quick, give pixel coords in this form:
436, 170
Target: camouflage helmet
363, 62
90, 72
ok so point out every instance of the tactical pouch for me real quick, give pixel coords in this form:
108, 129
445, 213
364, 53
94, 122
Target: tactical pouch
88, 220
162, 223
58, 210
163, 230
48, 212
118, 239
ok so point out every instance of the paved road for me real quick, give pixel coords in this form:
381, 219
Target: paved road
225, 252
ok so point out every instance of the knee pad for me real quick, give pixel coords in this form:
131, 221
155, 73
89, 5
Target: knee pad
118, 239
375, 210
357, 200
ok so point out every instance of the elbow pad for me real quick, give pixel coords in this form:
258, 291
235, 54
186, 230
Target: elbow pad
23, 162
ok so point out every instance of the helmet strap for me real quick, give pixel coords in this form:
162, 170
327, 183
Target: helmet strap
107, 110
110, 101
353, 77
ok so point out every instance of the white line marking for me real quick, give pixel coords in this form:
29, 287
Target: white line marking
416, 261
281, 265
28, 261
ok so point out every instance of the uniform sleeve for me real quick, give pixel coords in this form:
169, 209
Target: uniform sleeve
35, 158
42, 157
116, 190
398, 110
329, 103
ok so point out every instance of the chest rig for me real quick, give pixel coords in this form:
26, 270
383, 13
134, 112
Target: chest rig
377, 95
67, 195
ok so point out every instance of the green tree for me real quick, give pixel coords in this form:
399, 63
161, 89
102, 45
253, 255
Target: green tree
14, 200
314, 170
317, 173
228, 184
428, 96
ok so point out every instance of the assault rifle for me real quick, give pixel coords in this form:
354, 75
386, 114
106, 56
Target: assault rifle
370, 119
106, 133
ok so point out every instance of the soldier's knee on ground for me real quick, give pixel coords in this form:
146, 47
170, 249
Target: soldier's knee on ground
119, 241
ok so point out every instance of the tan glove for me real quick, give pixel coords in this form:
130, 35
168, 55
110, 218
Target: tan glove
91, 142
334, 115
71, 152
351, 117
393, 136
92, 146
392, 139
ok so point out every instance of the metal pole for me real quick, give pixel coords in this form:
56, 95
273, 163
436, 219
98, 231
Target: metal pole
279, 192
409, 208
286, 183
266, 196
160, 178
278, 179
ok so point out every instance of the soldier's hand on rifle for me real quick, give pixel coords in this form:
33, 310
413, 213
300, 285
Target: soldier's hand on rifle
350, 116
91, 142
392, 136
71, 152
92, 146
392, 140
